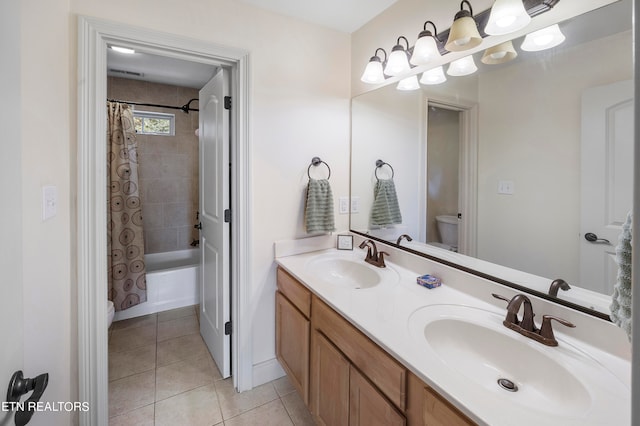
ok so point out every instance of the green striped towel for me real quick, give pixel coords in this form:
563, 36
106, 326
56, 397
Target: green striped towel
621, 299
318, 211
385, 210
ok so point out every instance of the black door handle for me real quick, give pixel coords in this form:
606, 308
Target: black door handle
19, 386
198, 225
593, 238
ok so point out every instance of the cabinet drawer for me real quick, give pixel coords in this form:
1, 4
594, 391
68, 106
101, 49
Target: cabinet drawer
298, 294
386, 373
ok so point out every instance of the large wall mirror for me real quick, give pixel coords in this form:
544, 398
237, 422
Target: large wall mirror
522, 171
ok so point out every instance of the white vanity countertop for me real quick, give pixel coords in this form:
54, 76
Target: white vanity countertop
384, 313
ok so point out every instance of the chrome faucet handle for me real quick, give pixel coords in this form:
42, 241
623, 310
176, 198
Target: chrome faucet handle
546, 331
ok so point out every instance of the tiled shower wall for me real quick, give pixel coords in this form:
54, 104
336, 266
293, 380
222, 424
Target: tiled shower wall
168, 165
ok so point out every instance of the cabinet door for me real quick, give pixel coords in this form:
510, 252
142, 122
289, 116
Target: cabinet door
329, 384
425, 407
292, 344
367, 406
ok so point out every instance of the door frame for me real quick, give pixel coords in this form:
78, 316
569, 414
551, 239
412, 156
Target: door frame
467, 170
93, 37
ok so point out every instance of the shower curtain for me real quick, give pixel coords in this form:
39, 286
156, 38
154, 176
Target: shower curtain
127, 283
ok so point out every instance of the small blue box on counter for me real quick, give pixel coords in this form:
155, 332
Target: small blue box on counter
429, 281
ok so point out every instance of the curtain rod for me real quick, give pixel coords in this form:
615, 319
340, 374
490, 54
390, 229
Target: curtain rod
184, 108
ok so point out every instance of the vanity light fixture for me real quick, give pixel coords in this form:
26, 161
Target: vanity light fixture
507, 16
398, 62
426, 48
462, 66
499, 54
545, 38
433, 76
124, 50
373, 73
409, 83
463, 34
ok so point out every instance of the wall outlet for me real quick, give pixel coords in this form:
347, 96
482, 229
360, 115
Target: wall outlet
343, 205
506, 187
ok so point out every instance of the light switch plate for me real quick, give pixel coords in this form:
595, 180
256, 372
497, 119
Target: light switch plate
343, 205
355, 204
49, 202
506, 187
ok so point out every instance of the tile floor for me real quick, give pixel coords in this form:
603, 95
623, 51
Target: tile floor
161, 373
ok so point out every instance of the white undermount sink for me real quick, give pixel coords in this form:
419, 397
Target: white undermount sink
349, 271
473, 344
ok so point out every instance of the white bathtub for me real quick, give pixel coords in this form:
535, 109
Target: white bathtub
172, 282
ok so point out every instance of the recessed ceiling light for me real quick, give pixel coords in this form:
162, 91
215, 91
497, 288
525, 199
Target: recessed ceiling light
123, 50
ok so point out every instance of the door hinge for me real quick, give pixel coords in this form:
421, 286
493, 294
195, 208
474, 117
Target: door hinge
227, 328
227, 102
227, 215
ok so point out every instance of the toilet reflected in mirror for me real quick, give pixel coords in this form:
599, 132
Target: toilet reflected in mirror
448, 232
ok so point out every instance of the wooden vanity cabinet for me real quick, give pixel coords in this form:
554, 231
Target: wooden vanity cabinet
344, 377
293, 305
426, 407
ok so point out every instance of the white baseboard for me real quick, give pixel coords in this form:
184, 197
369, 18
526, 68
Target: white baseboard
267, 371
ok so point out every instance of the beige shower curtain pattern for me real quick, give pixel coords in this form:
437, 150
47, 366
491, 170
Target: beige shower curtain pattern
127, 283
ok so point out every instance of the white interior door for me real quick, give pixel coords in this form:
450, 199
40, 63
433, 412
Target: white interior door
214, 234
606, 179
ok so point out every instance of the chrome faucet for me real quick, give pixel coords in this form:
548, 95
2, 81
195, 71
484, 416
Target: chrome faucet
405, 236
527, 326
373, 257
556, 285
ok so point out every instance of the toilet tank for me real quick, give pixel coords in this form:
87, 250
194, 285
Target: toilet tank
448, 228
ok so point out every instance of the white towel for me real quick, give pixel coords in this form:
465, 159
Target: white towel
621, 303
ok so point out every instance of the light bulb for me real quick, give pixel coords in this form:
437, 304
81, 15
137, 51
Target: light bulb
433, 76
463, 66
545, 38
409, 83
507, 16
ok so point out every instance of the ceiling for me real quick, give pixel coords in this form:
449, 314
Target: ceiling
159, 69
342, 15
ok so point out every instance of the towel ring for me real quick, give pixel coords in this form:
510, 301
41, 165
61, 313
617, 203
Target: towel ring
380, 163
316, 161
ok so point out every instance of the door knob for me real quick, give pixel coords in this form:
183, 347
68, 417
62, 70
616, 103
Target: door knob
593, 238
19, 386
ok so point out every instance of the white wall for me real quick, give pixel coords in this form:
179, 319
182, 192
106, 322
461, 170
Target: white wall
299, 109
11, 312
530, 119
47, 126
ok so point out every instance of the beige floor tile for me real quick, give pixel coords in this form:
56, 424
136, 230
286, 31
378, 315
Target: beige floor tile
180, 348
131, 392
298, 412
139, 417
126, 363
177, 327
197, 407
233, 403
176, 313
270, 414
143, 321
283, 386
125, 340
182, 376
